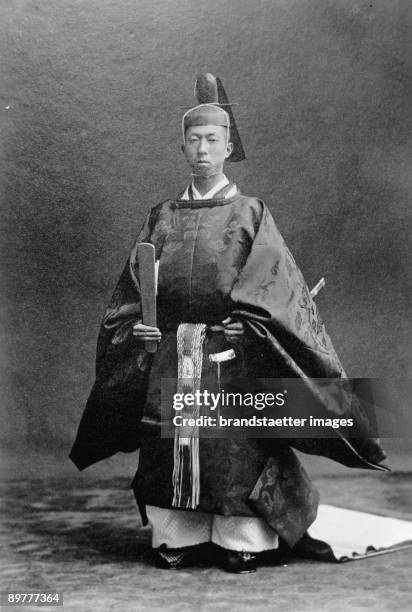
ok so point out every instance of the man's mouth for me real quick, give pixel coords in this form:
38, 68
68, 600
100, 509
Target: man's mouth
202, 162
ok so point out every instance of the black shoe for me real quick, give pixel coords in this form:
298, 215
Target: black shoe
238, 562
309, 548
179, 558
274, 557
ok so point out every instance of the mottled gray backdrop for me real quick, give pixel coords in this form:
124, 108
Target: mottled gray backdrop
91, 97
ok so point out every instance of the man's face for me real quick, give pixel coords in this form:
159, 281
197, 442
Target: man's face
206, 149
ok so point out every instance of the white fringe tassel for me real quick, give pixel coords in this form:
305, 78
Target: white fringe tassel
190, 337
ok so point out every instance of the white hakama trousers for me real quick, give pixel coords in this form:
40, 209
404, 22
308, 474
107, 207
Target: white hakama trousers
179, 528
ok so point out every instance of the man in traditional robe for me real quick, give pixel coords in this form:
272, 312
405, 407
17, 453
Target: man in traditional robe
227, 285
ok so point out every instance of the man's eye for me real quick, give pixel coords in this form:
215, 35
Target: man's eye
212, 139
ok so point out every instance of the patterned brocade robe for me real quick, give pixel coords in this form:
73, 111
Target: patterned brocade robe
218, 258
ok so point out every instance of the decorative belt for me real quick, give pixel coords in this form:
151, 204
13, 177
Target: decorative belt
209, 328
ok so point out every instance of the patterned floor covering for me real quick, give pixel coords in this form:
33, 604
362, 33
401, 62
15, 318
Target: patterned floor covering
83, 537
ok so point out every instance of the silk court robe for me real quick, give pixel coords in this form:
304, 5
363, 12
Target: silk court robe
220, 257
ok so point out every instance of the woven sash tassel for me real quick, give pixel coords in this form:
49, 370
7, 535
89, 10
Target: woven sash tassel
186, 470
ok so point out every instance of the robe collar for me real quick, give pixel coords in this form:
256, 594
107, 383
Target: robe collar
191, 193
222, 193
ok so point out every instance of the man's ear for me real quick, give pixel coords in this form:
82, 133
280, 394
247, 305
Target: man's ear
229, 149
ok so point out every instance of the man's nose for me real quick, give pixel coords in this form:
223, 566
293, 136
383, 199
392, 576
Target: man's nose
202, 145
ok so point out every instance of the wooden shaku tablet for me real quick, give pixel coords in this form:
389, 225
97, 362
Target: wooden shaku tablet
147, 273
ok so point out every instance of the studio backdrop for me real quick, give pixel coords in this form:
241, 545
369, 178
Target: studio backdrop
92, 93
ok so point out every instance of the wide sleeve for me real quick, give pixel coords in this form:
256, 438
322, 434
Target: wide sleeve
271, 290
111, 420
124, 308
272, 297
